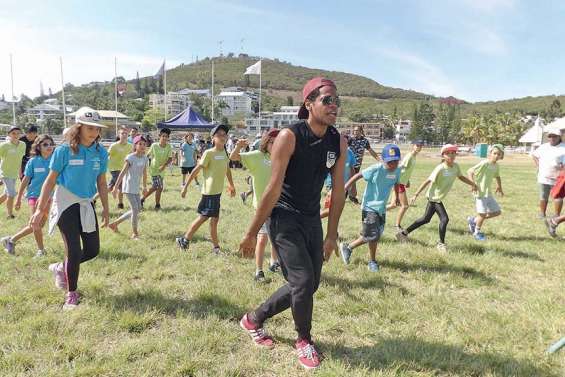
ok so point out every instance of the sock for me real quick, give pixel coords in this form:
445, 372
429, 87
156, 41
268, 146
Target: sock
477, 230
258, 270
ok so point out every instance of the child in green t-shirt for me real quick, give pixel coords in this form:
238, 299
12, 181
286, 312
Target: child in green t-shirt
441, 180
482, 174
161, 154
11, 153
214, 166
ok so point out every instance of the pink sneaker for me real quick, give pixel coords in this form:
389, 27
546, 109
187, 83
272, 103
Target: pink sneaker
258, 334
307, 354
59, 273
71, 300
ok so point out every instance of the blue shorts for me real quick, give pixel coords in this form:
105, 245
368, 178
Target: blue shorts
115, 174
157, 182
373, 225
209, 205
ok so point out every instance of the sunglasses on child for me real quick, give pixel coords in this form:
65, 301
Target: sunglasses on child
331, 100
47, 145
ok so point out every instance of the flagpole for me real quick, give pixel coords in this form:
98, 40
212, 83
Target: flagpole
260, 85
63, 93
165, 85
212, 91
13, 97
116, 93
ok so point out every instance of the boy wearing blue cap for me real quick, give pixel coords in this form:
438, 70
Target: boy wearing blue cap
381, 179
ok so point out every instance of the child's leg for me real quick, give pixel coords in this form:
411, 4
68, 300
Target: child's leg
149, 192
3, 198
38, 234
558, 206
443, 220
120, 197
373, 250
214, 230
479, 220
260, 250
274, 254
158, 195
183, 179
358, 242
430, 211
194, 226
114, 225
135, 203
10, 205
403, 198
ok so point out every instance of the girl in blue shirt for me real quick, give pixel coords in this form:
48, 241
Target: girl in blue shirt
35, 173
78, 169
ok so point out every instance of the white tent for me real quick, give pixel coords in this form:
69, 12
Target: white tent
534, 134
557, 123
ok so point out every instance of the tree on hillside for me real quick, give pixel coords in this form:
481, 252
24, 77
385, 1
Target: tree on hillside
554, 110
151, 117
423, 122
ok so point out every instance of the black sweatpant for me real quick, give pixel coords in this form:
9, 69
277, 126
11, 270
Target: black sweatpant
432, 209
71, 230
299, 242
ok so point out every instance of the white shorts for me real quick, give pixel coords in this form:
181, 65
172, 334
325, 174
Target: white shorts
486, 205
10, 187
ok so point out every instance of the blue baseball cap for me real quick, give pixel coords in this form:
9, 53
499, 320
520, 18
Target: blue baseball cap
391, 153
418, 142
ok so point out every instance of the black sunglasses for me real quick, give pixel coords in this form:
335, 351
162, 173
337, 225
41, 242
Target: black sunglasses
331, 100
47, 145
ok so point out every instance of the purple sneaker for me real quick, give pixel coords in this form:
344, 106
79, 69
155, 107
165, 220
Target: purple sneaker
71, 300
59, 273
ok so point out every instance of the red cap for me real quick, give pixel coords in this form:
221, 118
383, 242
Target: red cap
273, 132
315, 83
448, 148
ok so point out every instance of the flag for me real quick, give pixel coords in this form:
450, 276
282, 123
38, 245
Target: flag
161, 71
254, 69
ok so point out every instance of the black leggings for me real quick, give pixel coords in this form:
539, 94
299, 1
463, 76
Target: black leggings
431, 209
71, 230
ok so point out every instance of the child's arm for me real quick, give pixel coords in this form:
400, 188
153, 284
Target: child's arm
43, 201
462, 178
499, 186
103, 195
118, 184
190, 178
471, 174
235, 156
21, 191
420, 189
144, 179
231, 188
164, 166
352, 180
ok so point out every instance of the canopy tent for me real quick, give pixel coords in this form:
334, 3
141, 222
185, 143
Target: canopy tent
557, 123
534, 134
186, 120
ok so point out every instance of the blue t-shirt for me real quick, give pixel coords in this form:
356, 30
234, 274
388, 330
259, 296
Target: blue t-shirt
78, 172
188, 155
349, 163
380, 182
36, 170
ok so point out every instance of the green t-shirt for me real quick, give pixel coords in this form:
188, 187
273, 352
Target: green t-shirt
117, 155
442, 179
259, 166
484, 173
214, 167
11, 159
159, 155
406, 168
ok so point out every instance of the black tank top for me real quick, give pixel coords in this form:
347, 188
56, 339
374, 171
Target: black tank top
307, 169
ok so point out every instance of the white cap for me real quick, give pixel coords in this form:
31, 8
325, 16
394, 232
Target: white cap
88, 117
553, 131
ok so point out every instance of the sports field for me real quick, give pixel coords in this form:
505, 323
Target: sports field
148, 309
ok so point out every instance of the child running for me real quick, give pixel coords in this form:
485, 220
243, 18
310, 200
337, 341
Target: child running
441, 181
214, 166
258, 163
11, 153
482, 174
406, 168
78, 168
557, 193
380, 178
116, 156
134, 170
35, 173
161, 155
188, 151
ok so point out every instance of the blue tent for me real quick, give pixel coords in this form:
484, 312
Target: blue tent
188, 119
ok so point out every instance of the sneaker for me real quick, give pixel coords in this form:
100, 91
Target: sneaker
402, 236
59, 274
182, 243
551, 227
157, 207
480, 236
345, 252
197, 184
471, 223
258, 334
442, 247
40, 253
10, 217
275, 266
120, 205
307, 354
398, 229
259, 276
9, 245
354, 200
216, 251
373, 266
71, 300
243, 197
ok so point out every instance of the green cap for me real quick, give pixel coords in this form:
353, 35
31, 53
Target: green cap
500, 147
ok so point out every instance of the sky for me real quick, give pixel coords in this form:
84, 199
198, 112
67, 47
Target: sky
476, 50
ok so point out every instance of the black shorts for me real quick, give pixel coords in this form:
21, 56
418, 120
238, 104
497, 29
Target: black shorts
373, 225
115, 174
209, 205
185, 170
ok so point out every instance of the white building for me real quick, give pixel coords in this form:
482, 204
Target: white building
197, 92
176, 102
402, 129
372, 131
279, 119
50, 108
236, 103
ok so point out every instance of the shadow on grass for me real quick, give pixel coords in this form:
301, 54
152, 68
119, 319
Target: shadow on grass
465, 272
500, 237
477, 249
416, 355
150, 208
120, 255
374, 282
201, 306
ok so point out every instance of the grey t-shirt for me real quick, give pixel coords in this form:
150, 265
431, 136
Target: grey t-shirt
132, 180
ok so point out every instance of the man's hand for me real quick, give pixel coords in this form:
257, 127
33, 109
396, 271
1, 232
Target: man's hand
499, 191
105, 218
18, 204
35, 220
247, 246
231, 191
330, 245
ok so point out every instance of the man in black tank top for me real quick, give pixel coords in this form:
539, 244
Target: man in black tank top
302, 156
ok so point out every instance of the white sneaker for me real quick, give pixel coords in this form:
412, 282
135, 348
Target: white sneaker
59, 275
40, 253
441, 247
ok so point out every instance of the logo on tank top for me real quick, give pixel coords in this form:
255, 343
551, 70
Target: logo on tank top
330, 159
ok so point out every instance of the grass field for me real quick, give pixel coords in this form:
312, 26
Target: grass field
482, 309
